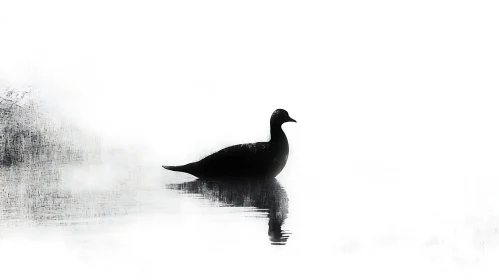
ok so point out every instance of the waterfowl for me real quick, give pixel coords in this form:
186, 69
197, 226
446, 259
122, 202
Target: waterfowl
252, 160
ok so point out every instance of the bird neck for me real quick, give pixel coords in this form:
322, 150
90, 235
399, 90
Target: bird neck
276, 134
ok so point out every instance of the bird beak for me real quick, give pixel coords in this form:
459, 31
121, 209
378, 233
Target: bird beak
291, 120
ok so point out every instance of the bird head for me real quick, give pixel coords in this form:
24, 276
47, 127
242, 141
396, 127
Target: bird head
280, 116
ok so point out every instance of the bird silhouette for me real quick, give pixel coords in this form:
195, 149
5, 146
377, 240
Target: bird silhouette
250, 161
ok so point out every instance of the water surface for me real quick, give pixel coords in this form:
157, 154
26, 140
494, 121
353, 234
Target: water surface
97, 196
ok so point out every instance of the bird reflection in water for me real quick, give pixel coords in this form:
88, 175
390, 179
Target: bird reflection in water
266, 195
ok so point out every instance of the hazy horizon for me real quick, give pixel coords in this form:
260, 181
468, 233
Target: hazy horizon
393, 164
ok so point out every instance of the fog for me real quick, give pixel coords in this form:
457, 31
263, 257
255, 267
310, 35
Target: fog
396, 106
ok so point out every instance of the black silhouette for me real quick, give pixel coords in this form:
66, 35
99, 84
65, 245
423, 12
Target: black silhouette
255, 160
266, 195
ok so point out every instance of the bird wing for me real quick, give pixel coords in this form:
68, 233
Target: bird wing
243, 156
246, 151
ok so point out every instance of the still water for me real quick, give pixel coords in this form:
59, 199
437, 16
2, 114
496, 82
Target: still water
123, 220
96, 196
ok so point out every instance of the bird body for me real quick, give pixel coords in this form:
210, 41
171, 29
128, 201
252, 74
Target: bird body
254, 160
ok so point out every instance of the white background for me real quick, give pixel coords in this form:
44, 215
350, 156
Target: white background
396, 102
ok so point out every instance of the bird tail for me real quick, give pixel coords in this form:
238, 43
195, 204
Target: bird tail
173, 168
187, 168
